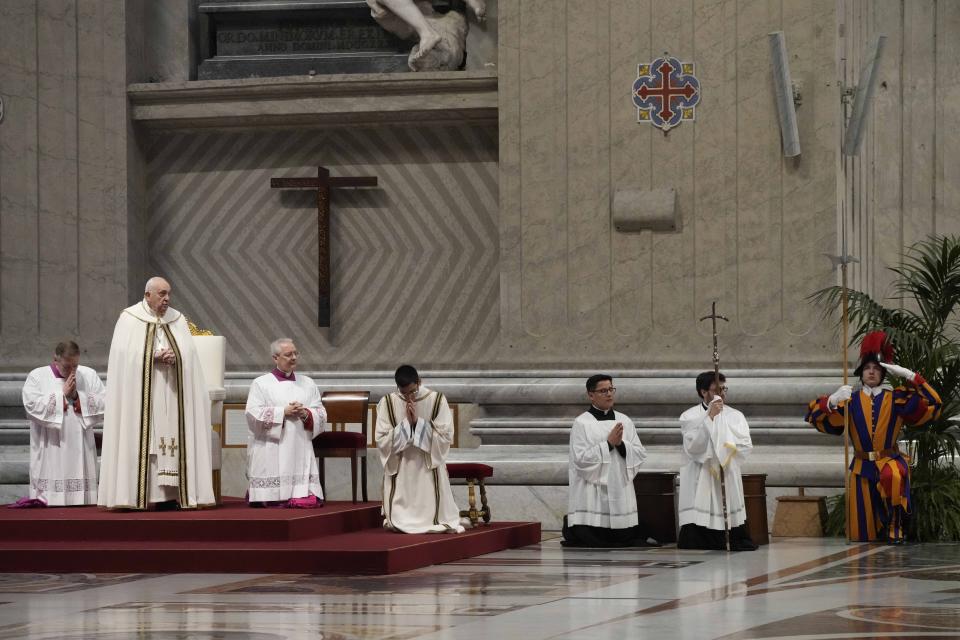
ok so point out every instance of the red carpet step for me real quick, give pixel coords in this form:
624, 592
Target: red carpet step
233, 521
340, 538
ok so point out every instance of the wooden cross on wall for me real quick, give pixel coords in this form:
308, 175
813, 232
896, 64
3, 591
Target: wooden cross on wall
322, 184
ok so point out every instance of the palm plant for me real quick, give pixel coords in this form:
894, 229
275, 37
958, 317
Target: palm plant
923, 320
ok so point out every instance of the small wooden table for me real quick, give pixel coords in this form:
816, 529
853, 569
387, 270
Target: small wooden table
657, 503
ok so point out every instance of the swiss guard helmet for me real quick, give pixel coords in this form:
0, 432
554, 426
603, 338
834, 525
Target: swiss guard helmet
875, 347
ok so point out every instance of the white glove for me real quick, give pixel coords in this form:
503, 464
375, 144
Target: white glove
900, 372
842, 394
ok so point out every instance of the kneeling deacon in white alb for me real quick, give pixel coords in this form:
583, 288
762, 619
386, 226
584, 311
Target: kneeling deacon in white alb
716, 439
605, 455
414, 433
156, 425
64, 402
284, 414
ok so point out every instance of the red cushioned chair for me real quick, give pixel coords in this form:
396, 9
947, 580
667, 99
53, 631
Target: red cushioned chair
473, 472
343, 408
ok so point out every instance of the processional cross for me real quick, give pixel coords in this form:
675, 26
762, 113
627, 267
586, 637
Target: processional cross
322, 184
716, 380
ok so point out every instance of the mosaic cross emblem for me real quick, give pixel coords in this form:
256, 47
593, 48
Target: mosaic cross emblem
666, 92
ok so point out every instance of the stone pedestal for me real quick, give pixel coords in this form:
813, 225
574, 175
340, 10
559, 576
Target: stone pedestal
800, 516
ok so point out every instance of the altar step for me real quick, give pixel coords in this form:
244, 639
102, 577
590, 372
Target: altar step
777, 430
233, 521
340, 538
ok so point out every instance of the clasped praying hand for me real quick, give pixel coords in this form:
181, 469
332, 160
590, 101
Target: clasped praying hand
296, 410
70, 386
165, 356
410, 408
616, 435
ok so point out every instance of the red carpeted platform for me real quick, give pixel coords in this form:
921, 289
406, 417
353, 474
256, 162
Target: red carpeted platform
340, 537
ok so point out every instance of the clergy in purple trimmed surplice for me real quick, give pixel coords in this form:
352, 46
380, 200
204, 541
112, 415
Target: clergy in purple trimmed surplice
64, 402
284, 415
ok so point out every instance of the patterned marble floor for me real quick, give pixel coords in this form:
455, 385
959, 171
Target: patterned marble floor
797, 588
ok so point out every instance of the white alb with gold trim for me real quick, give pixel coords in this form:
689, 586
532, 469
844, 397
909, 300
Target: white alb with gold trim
156, 431
416, 488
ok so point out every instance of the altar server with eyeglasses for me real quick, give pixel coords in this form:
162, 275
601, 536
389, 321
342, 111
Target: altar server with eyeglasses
605, 455
716, 440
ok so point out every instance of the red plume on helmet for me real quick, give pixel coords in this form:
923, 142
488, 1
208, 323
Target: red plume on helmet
875, 347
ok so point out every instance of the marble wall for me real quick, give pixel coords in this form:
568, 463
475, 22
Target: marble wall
754, 225
905, 184
79, 197
65, 235
413, 261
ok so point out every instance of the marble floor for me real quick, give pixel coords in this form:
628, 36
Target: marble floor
794, 588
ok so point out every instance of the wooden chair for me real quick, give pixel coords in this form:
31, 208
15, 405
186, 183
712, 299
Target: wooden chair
344, 407
473, 473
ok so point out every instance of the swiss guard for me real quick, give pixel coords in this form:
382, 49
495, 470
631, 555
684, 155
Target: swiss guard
878, 482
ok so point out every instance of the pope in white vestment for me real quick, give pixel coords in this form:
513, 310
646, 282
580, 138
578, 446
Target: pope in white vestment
280, 461
63, 454
156, 432
712, 445
416, 488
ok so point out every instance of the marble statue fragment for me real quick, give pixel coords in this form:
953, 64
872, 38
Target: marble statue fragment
441, 38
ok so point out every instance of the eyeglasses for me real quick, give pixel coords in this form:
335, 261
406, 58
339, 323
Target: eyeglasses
722, 389
609, 391
409, 394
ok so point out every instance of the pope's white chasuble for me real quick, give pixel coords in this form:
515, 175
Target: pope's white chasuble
63, 454
601, 479
709, 447
416, 488
280, 460
156, 432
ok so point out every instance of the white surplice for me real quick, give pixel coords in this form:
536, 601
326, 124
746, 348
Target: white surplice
280, 461
156, 428
601, 480
416, 488
63, 454
709, 444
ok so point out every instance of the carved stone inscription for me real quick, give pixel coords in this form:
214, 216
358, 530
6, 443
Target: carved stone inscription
341, 34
